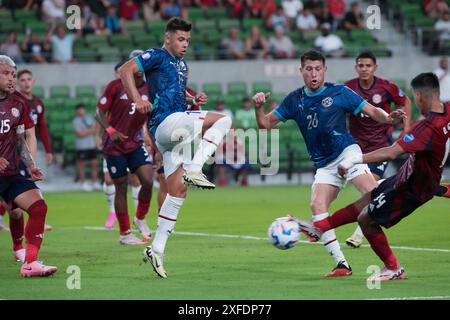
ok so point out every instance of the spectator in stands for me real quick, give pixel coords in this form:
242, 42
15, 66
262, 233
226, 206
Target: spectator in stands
306, 21
444, 79
281, 46
442, 32
85, 146
278, 19
205, 4
256, 45
314, 6
98, 6
329, 44
269, 8
35, 50
62, 44
112, 23
238, 8
11, 48
220, 108
232, 47
90, 22
150, 9
230, 154
256, 8
291, 9
53, 11
337, 8
171, 8
353, 19
435, 8
128, 10
326, 16
245, 117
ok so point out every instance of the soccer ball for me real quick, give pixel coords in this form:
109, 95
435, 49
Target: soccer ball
284, 233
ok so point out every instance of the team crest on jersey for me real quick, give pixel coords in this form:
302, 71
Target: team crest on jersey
146, 55
327, 102
144, 97
408, 138
103, 100
376, 98
39, 108
15, 112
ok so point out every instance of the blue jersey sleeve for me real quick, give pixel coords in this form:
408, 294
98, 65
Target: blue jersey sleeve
148, 60
352, 102
284, 110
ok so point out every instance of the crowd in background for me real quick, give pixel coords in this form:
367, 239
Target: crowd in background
108, 16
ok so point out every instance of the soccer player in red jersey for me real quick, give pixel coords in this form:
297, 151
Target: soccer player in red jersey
123, 149
369, 134
418, 180
15, 189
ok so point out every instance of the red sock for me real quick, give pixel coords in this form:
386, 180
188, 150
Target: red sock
124, 222
379, 244
34, 232
17, 230
142, 209
343, 216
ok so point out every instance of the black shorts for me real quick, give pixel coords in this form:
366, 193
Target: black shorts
13, 186
89, 154
390, 205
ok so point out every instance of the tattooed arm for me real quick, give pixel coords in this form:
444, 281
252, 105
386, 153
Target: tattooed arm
27, 159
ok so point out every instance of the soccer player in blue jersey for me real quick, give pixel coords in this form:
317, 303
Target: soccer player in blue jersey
319, 109
172, 127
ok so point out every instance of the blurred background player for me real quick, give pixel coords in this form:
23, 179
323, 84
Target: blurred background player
369, 134
123, 149
319, 110
428, 146
169, 124
15, 189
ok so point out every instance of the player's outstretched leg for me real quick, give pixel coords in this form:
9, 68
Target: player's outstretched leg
356, 239
217, 126
167, 218
145, 175
375, 236
110, 193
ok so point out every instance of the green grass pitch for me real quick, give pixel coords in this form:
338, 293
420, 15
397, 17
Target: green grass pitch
212, 267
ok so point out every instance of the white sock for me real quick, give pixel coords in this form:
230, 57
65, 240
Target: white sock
166, 222
358, 232
211, 139
110, 193
135, 195
330, 242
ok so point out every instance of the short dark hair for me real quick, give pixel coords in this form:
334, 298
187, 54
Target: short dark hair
117, 66
175, 24
79, 106
313, 55
426, 81
366, 55
24, 71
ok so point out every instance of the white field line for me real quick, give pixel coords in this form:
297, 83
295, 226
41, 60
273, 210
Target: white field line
232, 236
415, 298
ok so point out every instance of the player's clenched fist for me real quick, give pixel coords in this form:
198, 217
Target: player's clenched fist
260, 98
200, 99
397, 116
143, 106
3, 164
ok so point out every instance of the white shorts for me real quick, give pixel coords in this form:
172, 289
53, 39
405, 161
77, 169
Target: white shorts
329, 174
174, 135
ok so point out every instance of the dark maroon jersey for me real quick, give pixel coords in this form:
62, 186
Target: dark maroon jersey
428, 143
14, 119
122, 116
368, 133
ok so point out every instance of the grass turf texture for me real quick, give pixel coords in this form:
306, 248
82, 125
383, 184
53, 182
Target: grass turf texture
206, 268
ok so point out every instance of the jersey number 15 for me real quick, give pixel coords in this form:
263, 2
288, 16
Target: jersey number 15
5, 126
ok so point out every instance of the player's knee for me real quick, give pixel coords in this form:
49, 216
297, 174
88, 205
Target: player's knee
121, 185
147, 184
15, 214
226, 122
317, 207
38, 208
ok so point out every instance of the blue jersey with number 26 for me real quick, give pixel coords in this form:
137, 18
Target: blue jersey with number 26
321, 118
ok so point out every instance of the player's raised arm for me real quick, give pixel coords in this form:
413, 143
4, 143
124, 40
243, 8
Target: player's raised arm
265, 121
126, 74
382, 116
407, 108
